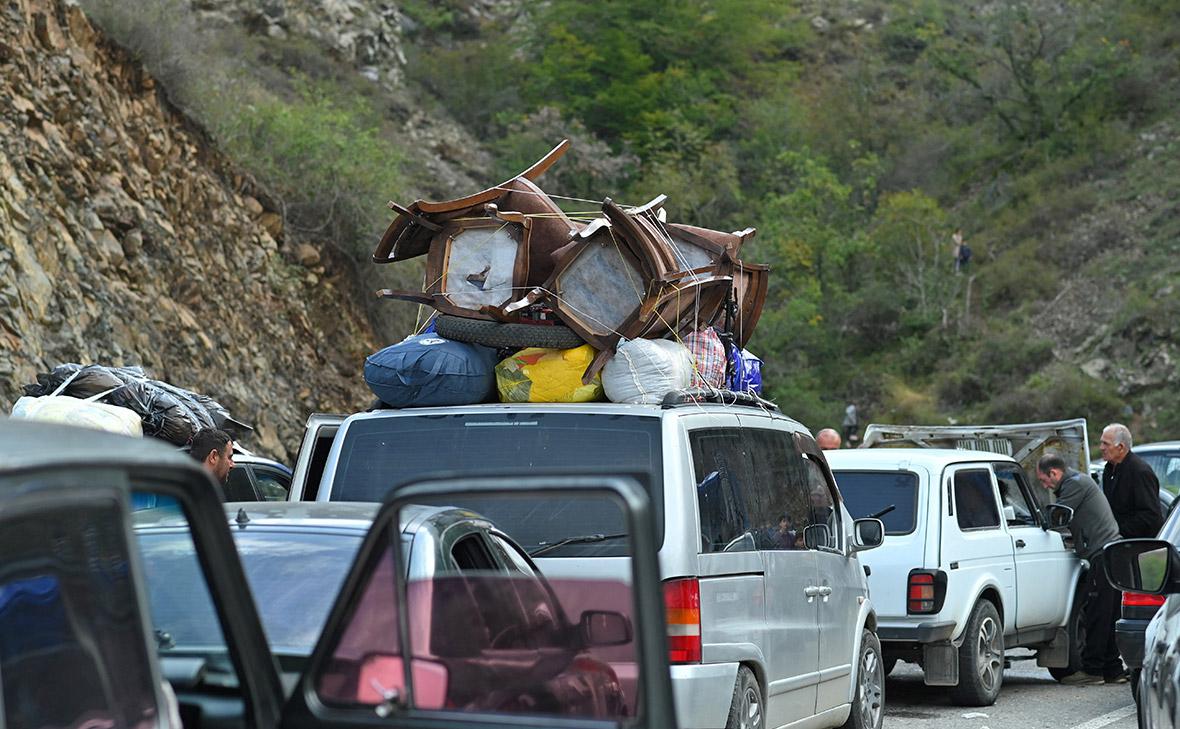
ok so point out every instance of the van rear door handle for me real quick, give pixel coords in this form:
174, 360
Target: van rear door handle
1020, 544
813, 591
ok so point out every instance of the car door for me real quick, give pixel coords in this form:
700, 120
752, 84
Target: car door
775, 490
976, 544
1044, 567
318, 434
841, 583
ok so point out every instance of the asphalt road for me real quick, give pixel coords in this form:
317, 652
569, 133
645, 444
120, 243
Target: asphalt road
1029, 699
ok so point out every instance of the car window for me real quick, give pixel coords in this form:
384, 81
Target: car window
273, 485
724, 478
294, 577
867, 493
778, 494
1014, 493
238, 486
495, 636
183, 616
975, 502
1167, 468
72, 647
377, 453
821, 504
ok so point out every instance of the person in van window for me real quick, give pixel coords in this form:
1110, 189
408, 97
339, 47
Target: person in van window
215, 450
782, 536
828, 439
1130, 485
1093, 527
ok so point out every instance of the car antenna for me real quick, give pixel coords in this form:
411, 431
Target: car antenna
242, 519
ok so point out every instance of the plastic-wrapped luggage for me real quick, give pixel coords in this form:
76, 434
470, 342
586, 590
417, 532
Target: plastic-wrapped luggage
548, 375
746, 374
427, 370
643, 371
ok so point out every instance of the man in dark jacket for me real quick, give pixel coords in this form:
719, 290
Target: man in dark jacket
1093, 527
1130, 485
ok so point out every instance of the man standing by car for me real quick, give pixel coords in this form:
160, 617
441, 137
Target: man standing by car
215, 450
1092, 527
1130, 485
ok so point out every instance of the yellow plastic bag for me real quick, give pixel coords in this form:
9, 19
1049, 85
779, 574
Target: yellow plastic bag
547, 375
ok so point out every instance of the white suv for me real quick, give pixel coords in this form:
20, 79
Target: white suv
769, 622
969, 567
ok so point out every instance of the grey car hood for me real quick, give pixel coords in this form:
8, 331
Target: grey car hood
1026, 442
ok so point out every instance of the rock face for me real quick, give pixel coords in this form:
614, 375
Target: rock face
125, 239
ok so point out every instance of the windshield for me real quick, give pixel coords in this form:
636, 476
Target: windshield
294, 577
867, 493
379, 453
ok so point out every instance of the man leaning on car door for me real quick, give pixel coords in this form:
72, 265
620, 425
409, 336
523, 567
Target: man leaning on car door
1093, 527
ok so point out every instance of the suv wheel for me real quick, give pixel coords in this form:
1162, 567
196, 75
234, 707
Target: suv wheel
868, 703
1077, 636
746, 710
981, 658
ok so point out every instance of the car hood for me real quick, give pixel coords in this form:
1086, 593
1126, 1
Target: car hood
1026, 442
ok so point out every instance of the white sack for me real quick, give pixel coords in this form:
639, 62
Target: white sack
643, 371
82, 413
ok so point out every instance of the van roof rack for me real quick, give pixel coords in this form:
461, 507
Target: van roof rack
695, 395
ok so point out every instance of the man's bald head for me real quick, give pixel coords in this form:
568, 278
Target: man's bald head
828, 439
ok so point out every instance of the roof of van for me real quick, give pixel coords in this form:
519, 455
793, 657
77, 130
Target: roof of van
897, 458
595, 408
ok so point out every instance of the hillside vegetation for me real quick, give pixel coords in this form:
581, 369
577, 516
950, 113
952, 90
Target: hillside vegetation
856, 136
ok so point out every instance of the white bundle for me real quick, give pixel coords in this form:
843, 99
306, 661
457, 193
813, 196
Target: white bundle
82, 413
643, 371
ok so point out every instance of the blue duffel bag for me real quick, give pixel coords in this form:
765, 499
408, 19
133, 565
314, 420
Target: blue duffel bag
426, 369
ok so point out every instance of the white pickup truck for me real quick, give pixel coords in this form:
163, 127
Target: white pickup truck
970, 566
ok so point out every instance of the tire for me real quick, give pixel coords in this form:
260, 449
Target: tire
1135, 672
511, 336
746, 710
981, 658
868, 701
1077, 636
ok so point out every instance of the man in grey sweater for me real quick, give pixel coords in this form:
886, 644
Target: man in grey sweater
1093, 526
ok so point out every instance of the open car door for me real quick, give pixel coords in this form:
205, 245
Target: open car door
441, 624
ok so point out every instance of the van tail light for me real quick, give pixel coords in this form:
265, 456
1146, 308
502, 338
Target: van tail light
1139, 599
682, 605
925, 592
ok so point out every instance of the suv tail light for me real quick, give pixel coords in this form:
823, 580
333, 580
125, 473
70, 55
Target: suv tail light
1139, 599
925, 592
682, 605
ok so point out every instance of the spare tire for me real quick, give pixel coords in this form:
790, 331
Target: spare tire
499, 334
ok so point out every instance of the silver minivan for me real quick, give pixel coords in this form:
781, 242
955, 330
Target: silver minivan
768, 617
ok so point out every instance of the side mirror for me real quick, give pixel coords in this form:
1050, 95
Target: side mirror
817, 536
1009, 514
1142, 565
381, 680
604, 628
1060, 516
867, 534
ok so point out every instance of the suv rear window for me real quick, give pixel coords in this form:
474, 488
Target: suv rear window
379, 453
870, 492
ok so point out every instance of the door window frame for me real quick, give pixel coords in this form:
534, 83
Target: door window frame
956, 511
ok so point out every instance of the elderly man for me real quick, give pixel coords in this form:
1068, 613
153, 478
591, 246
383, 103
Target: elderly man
1130, 485
828, 440
1093, 526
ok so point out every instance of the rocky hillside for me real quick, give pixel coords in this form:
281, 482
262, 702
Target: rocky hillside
126, 239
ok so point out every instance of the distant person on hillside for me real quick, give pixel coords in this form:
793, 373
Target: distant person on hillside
215, 450
850, 424
961, 251
828, 439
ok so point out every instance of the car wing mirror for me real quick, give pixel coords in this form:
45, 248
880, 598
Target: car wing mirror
1009, 513
1060, 516
817, 536
867, 534
381, 682
602, 628
1142, 565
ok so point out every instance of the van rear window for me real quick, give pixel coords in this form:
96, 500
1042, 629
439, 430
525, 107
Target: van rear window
380, 453
867, 493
